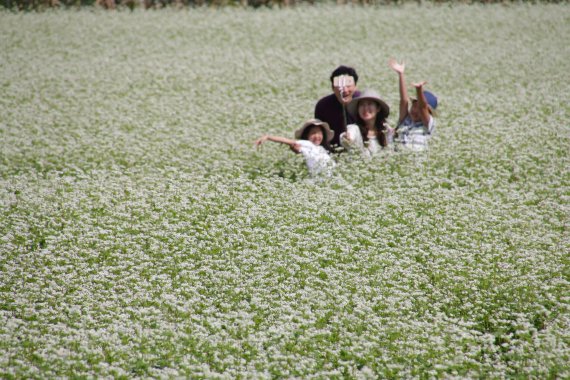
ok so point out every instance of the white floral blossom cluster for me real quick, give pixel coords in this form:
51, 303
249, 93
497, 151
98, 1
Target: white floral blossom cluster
142, 235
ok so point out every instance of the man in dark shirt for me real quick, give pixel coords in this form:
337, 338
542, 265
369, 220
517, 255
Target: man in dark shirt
332, 108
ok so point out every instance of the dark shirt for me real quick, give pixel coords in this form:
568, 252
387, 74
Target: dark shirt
330, 110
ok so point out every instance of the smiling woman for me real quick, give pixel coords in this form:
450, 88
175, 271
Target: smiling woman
141, 235
370, 133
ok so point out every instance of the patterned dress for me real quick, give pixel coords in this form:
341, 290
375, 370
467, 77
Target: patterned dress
414, 135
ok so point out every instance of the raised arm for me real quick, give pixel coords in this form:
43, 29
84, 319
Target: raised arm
278, 139
422, 102
399, 68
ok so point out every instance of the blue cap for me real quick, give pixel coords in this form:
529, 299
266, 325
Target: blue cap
431, 99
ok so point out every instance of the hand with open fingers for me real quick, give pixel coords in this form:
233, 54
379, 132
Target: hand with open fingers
419, 84
296, 148
397, 67
261, 140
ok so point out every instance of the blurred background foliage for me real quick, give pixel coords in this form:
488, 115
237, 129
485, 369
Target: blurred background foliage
39, 5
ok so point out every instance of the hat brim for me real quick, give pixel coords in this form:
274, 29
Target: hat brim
315, 122
383, 108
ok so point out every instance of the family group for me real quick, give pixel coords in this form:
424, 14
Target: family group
354, 121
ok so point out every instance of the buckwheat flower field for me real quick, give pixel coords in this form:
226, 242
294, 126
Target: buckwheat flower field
143, 236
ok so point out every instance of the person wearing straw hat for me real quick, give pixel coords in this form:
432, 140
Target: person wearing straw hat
416, 123
368, 134
312, 141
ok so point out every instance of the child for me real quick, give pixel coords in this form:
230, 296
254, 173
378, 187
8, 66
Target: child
313, 140
369, 133
416, 123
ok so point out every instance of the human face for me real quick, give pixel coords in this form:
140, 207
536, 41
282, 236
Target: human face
415, 114
315, 135
367, 110
346, 96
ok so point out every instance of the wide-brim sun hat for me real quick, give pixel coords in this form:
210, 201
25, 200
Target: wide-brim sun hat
384, 109
311, 122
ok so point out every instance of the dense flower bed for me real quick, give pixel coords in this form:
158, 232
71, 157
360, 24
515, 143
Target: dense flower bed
142, 235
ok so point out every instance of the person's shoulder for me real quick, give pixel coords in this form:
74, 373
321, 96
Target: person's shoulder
326, 99
306, 144
308, 147
323, 106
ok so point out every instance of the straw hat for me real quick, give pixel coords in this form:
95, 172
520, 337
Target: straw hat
371, 95
309, 123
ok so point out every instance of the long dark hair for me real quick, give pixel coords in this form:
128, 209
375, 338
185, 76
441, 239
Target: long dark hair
378, 123
325, 143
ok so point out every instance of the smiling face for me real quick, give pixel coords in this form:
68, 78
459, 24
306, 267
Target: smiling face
315, 135
415, 111
348, 90
367, 110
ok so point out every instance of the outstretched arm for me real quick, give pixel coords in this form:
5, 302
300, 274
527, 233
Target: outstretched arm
422, 102
278, 139
399, 68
